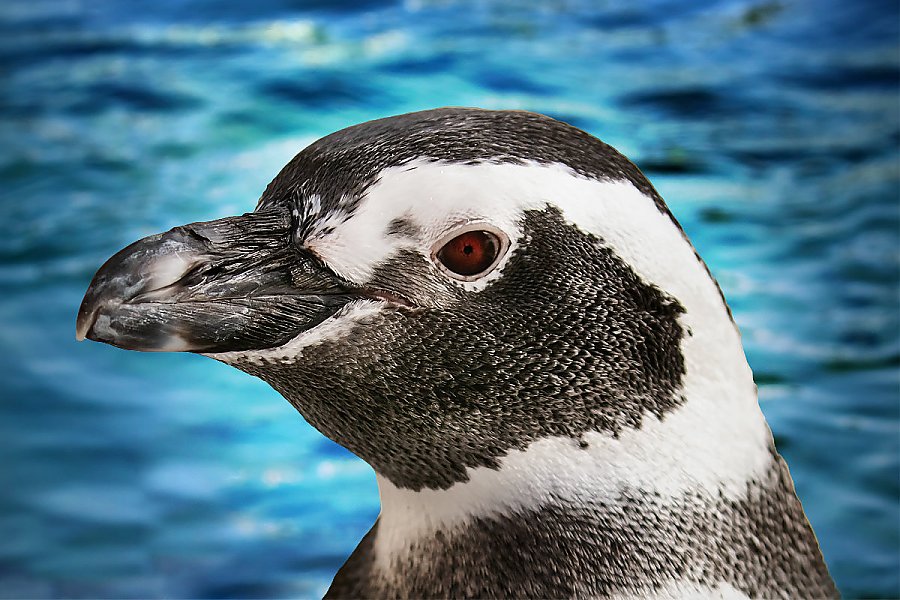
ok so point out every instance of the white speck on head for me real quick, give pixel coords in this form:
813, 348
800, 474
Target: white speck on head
329, 222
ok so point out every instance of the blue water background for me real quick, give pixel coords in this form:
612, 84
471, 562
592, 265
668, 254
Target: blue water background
771, 128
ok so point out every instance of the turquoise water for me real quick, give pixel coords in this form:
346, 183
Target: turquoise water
772, 130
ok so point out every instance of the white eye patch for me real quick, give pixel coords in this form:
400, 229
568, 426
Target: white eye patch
436, 199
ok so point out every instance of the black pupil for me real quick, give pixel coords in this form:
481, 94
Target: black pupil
467, 249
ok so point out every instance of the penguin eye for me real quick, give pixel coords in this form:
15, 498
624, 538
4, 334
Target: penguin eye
470, 254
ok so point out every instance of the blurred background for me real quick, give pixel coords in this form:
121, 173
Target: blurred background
771, 128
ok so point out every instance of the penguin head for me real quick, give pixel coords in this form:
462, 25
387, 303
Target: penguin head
436, 290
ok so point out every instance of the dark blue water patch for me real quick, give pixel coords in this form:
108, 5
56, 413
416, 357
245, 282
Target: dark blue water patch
100, 97
504, 80
19, 170
34, 249
105, 165
762, 378
243, 581
686, 102
113, 15
843, 365
650, 14
761, 14
813, 159
672, 165
716, 214
628, 17
94, 99
40, 169
37, 22
807, 167
326, 447
657, 47
862, 270
243, 575
319, 90
27, 55
863, 78
344, 7
430, 64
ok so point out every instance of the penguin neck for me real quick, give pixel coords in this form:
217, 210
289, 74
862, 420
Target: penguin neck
634, 544
664, 459
715, 445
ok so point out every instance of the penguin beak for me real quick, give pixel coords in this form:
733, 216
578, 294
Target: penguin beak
237, 283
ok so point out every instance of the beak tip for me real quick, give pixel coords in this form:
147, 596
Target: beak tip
85, 321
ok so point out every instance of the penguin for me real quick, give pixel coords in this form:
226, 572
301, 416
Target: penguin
497, 312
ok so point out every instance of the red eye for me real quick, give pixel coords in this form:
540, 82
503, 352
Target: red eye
470, 253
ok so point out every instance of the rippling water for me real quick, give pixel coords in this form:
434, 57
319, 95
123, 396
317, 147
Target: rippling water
771, 129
